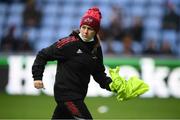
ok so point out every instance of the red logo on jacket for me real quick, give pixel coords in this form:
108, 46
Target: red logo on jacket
65, 41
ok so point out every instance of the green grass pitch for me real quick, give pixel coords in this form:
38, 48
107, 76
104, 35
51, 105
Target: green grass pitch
41, 107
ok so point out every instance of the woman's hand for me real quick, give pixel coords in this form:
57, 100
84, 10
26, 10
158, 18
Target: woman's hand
38, 84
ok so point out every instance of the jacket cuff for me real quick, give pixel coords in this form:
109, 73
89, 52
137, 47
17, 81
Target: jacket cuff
37, 78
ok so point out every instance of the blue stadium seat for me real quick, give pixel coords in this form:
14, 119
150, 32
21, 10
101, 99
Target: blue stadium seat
16, 8
138, 10
120, 2
2, 19
51, 1
3, 14
140, 2
155, 11
46, 32
157, 2
106, 11
137, 47
45, 37
33, 34
69, 10
71, 2
151, 34
66, 21
14, 19
3, 8
49, 20
62, 32
152, 23
117, 46
170, 36
51, 9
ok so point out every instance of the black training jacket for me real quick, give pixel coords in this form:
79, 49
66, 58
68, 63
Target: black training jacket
76, 61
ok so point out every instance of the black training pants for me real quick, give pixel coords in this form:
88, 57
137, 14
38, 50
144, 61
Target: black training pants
71, 110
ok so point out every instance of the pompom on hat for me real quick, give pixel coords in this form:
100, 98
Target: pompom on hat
92, 18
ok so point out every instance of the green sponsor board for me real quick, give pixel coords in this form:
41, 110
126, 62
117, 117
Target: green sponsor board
134, 61
162, 75
114, 61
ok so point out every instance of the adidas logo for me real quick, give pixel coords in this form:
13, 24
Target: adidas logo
94, 57
79, 51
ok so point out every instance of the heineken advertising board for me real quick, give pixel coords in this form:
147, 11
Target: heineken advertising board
162, 75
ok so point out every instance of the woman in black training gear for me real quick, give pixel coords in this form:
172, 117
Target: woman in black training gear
78, 56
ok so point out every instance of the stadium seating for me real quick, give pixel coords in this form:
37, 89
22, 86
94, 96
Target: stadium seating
63, 15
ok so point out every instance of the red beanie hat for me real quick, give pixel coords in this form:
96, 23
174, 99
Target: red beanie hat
92, 18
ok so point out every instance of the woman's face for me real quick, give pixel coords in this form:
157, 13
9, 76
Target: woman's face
87, 32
